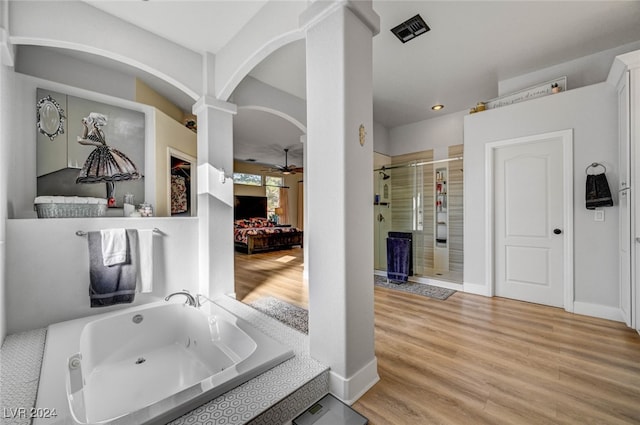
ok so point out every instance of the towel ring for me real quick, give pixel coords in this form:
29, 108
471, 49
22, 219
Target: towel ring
595, 165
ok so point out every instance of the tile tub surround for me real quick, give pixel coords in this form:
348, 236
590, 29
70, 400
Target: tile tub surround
278, 394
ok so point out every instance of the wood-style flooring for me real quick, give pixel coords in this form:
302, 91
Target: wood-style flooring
477, 360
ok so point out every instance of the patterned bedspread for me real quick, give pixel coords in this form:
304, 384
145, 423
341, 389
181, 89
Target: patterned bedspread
240, 234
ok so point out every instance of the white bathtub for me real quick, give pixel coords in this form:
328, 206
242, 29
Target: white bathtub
148, 364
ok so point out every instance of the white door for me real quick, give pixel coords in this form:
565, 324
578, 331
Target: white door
624, 210
528, 227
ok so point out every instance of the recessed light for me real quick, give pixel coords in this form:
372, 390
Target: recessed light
437, 107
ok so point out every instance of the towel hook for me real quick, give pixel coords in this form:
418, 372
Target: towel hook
595, 165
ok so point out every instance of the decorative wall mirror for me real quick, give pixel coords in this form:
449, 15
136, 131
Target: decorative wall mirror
50, 118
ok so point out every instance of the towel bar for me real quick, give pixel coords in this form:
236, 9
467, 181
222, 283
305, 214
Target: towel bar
83, 233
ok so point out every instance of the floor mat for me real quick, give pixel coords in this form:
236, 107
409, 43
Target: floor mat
290, 315
415, 288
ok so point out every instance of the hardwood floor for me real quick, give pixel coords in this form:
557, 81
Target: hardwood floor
274, 273
478, 360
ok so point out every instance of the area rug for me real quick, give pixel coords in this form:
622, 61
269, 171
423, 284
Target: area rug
415, 288
291, 315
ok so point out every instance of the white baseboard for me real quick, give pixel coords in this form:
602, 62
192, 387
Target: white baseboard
596, 310
474, 288
436, 282
349, 390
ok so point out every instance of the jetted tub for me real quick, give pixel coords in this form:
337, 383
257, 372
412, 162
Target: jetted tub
148, 364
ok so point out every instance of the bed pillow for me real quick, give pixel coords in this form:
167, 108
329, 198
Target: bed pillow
242, 223
260, 222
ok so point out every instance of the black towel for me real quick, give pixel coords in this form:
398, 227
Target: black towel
398, 259
109, 285
409, 236
598, 193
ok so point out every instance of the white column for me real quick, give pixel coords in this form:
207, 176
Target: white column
7, 50
215, 195
305, 249
339, 190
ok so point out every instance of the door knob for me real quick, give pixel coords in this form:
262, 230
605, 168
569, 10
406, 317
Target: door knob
557, 231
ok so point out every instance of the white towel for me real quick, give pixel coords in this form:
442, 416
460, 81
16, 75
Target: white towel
145, 269
114, 246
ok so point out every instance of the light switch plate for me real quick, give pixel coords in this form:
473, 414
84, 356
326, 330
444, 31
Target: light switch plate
598, 215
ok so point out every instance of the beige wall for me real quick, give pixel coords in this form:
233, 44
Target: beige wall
170, 134
146, 95
290, 180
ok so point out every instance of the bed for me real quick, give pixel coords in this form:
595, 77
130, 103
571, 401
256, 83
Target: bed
253, 232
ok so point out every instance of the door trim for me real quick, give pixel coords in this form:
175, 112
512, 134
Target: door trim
567, 182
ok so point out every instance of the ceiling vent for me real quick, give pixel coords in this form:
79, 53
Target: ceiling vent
410, 29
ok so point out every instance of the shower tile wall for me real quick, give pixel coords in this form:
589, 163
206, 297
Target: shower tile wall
455, 191
407, 182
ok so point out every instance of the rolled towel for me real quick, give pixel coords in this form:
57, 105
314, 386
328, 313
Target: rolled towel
43, 200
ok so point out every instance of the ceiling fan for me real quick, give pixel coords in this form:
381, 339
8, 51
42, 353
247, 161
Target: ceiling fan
286, 168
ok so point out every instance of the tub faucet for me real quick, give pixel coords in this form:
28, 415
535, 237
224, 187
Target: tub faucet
191, 300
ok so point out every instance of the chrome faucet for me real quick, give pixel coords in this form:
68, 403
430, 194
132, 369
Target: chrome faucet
191, 300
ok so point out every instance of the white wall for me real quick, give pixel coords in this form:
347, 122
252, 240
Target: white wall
435, 133
446, 130
78, 25
20, 139
53, 65
581, 72
592, 113
47, 269
256, 94
380, 139
275, 25
4, 181
20, 144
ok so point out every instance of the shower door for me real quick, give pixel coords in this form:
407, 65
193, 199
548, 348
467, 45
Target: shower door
422, 197
382, 216
400, 206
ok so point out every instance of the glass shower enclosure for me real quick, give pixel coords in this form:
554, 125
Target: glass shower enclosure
424, 198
